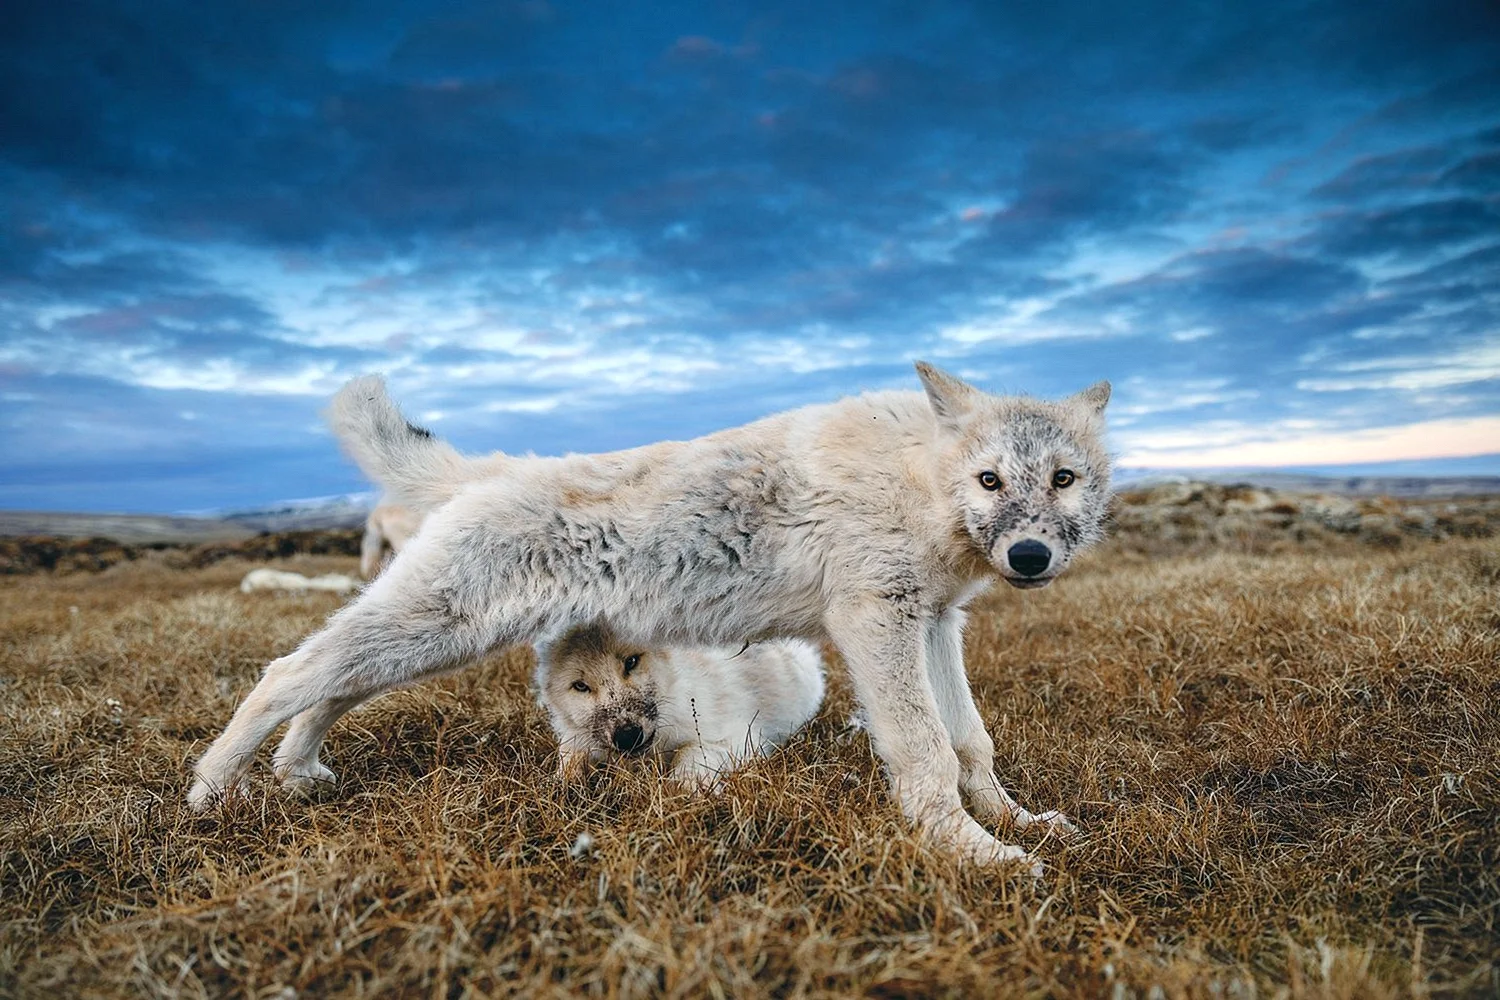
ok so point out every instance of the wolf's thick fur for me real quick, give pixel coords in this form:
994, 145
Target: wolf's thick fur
870, 522
700, 709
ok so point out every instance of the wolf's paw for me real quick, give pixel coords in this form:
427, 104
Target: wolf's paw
306, 779
998, 855
1053, 822
974, 845
205, 794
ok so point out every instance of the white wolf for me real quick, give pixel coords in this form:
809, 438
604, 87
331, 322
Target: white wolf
701, 709
870, 522
388, 526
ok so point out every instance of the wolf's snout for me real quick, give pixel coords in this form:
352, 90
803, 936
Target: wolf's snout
629, 738
1029, 558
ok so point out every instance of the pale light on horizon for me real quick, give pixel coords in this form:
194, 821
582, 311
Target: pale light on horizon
1431, 439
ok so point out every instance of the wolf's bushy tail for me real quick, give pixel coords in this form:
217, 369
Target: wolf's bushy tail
413, 466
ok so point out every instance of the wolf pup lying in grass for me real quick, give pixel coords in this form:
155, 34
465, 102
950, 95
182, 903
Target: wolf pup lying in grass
870, 522
702, 710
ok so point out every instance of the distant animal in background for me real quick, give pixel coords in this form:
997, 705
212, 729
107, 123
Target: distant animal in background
388, 526
278, 579
703, 710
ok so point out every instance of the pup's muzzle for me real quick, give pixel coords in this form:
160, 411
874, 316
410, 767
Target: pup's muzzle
630, 738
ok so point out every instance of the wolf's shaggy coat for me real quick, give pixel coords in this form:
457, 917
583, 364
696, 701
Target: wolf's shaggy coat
870, 522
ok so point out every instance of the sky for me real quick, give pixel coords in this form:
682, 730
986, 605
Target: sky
1275, 227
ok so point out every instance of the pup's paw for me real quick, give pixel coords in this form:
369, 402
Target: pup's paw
698, 776
572, 766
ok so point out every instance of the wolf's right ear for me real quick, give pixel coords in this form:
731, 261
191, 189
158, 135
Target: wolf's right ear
951, 398
1094, 399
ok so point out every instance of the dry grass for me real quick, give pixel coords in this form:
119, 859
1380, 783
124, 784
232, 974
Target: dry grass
1287, 770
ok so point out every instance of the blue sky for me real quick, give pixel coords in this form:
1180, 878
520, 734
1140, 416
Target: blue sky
1275, 227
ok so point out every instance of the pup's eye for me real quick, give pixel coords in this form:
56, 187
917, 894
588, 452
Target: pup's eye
631, 662
1063, 478
989, 480
581, 687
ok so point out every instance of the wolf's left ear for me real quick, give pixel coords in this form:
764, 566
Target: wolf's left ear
952, 398
1093, 399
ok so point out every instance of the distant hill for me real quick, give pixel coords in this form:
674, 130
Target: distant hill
347, 511
314, 514
1406, 487
130, 529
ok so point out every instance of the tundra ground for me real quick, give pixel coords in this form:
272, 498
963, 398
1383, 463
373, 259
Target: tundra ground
1285, 760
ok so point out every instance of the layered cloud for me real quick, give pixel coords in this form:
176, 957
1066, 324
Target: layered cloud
579, 227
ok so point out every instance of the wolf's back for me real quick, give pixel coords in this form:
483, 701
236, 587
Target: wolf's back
409, 462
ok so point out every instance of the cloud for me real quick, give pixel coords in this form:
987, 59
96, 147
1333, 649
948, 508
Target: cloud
564, 231
1420, 228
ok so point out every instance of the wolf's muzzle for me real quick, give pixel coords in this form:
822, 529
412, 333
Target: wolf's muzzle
1029, 558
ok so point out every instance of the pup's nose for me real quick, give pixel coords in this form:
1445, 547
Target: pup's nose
629, 738
1029, 557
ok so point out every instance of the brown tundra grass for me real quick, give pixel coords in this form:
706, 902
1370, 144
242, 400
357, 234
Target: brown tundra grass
1287, 770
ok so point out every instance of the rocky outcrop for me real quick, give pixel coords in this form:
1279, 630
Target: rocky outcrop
1174, 516
73, 555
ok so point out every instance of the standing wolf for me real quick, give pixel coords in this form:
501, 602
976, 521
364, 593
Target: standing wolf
389, 526
870, 522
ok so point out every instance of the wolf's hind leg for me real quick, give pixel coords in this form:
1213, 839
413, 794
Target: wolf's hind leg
971, 742
392, 634
884, 647
295, 761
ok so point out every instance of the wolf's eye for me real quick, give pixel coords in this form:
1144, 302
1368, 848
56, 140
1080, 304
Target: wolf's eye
989, 480
581, 687
631, 662
1063, 478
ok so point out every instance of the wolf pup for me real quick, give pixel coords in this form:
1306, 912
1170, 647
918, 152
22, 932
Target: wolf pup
869, 522
702, 710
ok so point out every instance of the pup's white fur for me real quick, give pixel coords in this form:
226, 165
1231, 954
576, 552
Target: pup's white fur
870, 521
389, 525
701, 709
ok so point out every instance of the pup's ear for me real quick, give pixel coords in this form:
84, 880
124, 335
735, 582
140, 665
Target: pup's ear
951, 398
1093, 399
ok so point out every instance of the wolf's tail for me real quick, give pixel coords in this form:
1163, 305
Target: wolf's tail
417, 468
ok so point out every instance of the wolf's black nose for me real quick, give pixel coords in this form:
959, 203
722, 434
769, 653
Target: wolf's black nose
629, 738
1029, 557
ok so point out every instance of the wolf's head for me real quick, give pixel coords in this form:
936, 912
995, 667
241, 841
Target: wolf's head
599, 692
1029, 478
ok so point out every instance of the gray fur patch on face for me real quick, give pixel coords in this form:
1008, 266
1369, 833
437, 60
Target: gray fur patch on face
631, 707
584, 642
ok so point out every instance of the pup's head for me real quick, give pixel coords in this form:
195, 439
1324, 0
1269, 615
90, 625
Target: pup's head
1029, 478
598, 692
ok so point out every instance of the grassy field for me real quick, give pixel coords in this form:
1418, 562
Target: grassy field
1286, 766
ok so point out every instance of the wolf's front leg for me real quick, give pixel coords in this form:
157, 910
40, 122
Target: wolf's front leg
972, 744
884, 644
